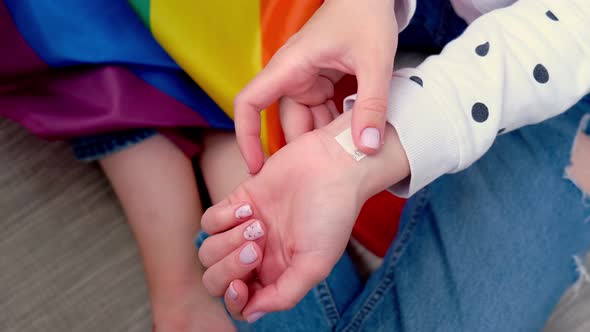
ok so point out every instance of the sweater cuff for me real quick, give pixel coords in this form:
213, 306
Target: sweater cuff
404, 10
425, 130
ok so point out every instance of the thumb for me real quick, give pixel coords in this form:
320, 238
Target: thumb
296, 119
370, 107
260, 93
273, 82
293, 284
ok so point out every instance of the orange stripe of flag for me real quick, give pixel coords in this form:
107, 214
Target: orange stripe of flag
280, 19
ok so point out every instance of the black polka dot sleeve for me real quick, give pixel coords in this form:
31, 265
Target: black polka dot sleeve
512, 67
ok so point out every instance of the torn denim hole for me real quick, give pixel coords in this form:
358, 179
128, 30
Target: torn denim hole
572, 314
579, 170
583, 276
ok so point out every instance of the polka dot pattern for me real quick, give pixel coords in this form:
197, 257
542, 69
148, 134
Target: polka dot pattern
418, 80
483, 49
479, 112
541, 74
551, 16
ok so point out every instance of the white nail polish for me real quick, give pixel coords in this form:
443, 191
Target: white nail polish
243, 211
231, 291
254, 231
255, 316
248, 255
370, 138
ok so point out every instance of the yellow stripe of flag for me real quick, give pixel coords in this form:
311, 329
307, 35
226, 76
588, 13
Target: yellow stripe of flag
218, 43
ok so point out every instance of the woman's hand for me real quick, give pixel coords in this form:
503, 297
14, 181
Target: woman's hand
343, 37
303, 204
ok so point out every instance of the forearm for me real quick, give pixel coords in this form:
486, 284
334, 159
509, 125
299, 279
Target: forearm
155, 184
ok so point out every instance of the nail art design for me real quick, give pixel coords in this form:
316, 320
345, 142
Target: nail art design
254, 231
243, 211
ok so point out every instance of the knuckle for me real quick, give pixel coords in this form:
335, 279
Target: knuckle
325, 90
205, 221
211, 286
207, 282
374, 106
206, 226
239, 100
202, 256
244, 101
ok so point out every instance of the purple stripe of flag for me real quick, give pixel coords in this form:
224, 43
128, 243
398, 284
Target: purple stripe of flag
16, 57
66, 103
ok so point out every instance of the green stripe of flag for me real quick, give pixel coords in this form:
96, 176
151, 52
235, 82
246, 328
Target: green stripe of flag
142, 7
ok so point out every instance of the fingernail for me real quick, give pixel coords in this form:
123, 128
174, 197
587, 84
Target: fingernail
370, 138
248, 254
255, 316
243, 211
231, 291
254, 231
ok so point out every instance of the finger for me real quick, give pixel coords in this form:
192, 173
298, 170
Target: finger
236, 297
216, 247
370, 108
296, 281
321, 116
333, 109
321, 90
244, 291
332, 74
254, 286
267, 87
223, 216
237, 265
296, 119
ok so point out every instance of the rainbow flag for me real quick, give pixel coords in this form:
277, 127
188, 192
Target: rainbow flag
222, 45
71, 68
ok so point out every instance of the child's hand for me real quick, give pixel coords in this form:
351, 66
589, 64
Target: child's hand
308, 195
343, 37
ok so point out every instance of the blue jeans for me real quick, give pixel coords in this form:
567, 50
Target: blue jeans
488, 249
92, 148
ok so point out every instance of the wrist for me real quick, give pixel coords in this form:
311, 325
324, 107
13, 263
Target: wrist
388, 167
374, 173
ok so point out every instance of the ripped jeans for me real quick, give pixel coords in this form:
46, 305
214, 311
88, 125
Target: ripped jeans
487, 249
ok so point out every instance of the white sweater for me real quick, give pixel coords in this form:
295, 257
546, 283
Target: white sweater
513, 66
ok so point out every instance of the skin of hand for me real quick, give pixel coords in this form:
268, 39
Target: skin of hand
307, 197
343, 37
